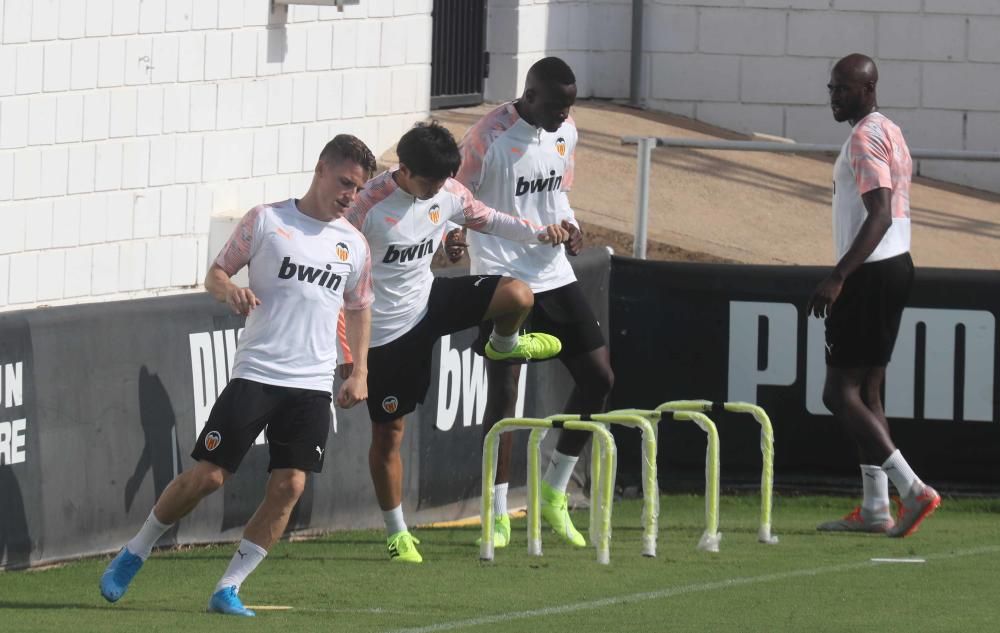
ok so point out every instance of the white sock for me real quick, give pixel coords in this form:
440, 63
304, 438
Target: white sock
500, 499
503, 342
560, 470
394, 521
876, 488
248, 555
900, 473
142, 543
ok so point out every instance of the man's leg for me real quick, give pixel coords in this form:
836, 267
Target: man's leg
509, 307
917, 500
386, 466
853, 395
593, 379
180, 497
284, 487
501, 402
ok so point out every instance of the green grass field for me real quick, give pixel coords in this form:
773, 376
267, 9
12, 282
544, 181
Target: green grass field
343, 582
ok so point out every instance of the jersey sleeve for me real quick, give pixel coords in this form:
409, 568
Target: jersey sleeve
474, 147
871, 157
375, 191
358, 293
345, 355
238, 250
570, 172
479, 217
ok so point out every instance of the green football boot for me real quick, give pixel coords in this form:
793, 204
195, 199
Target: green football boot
403, 548
555, 511
532, 346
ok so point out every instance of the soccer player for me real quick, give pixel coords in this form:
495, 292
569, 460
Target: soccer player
403, 213
519, 157
305, 262
863, 297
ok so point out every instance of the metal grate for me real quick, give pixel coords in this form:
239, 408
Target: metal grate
459, 61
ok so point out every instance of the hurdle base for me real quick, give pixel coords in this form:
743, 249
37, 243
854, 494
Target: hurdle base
603, 556
534, 547
710, 542
764, 535
649, 546
486, 552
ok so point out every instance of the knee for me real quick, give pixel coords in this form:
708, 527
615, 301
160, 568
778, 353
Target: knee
872, 397
387, 438
520, 294
600, 381
290, 487
832, 399
206, 479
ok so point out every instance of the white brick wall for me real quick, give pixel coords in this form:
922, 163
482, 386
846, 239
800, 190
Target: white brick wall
126, 124
762, 65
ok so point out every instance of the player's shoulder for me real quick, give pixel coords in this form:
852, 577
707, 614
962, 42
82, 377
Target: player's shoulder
494, 124
371, 195
875, 125
269, 211
351, 234
452, 187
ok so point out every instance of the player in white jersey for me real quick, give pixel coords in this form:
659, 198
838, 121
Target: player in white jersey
864, 295
519, 158
305, 262
403, 214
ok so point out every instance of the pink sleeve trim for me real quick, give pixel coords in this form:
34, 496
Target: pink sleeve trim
235, 254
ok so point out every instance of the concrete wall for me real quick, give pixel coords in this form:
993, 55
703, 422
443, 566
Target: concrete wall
126, 124
593, 36
762, 65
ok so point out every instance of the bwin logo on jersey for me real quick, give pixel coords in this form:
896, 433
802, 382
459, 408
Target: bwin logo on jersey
343, 252
323, 278
561, 146
538, 184
434, 213
404, 254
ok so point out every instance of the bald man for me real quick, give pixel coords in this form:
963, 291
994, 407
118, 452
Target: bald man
863, 297
519, 158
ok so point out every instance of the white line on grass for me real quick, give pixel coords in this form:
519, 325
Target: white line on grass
503, 618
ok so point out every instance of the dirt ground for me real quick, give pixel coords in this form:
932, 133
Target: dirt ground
746, 207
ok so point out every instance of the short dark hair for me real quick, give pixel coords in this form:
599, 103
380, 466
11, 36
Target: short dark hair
349, 147
429, 150
553, 70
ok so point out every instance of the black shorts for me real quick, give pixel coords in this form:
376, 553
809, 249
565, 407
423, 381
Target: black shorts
863, 322
399, 372
297, 423
562, 312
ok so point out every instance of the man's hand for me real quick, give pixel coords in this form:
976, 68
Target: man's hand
455, 245
574, 244
554, 234
823, 298
354, 390
241, 300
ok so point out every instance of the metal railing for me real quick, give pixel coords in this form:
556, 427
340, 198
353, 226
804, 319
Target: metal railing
646, 145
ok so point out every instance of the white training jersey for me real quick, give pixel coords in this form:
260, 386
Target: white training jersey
302, 270
519, 169
875, 155
404, 232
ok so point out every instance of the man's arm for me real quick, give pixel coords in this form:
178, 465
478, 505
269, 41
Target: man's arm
878, 204
219, 284
479, 217
359, 330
